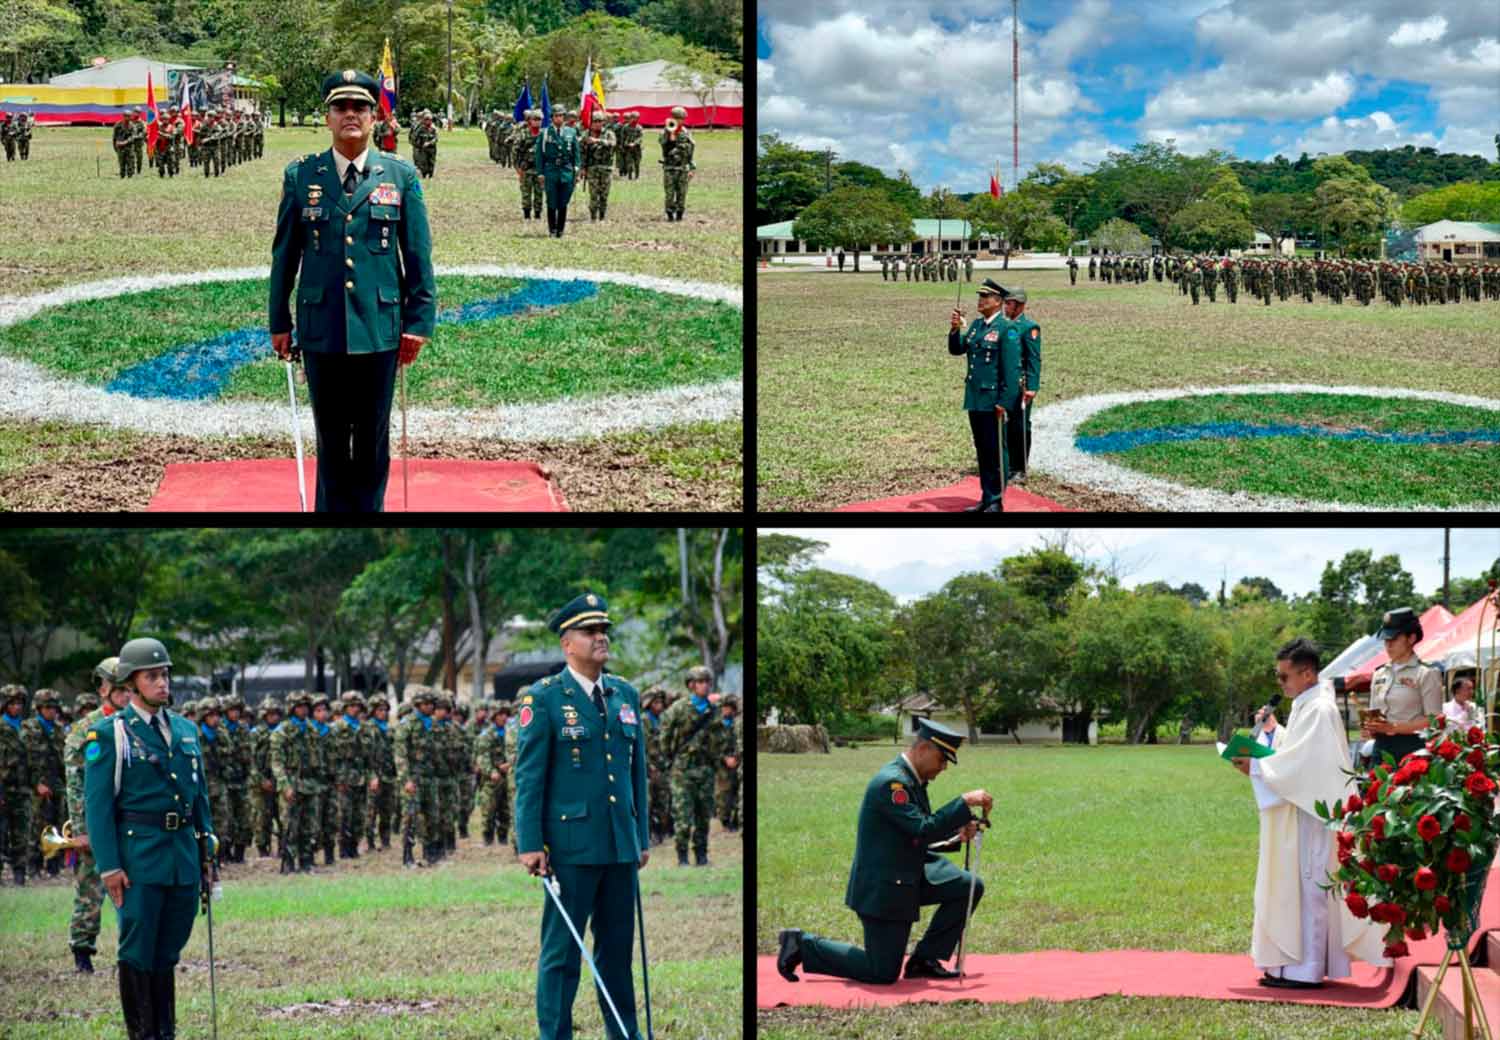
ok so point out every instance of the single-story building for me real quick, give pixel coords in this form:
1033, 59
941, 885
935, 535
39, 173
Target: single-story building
1264, 246
647, 88
1459, 241
99, 94
931, 236
922, 706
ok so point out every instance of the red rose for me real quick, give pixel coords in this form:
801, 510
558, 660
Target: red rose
1395, 915
1429, 828
1449, 750
1396, 950
1418, 766
1346, 839
1475, 758
1357, 905
1479, 785
1458, 861
1345, 855
1461, 822
1416, 934
1387, 872
1372, 793
1354, 805
1377, 825
1400, 778
1441, 904
1425, 880
1476, 735
1367, 865
1377, 913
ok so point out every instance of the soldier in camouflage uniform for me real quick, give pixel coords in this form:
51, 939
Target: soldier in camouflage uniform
449, 769
88, 895
218, 762
634, 137
263, 778
464, 752
43, 736
653, 705
677, 164
294, 769
121, 142
137, 143
323, 769
383, 768
494, 777
727, 778
416, 764
597, 150
234, 826
695, 744
512, 736
353, 769
424, 140
523, 151
15, 782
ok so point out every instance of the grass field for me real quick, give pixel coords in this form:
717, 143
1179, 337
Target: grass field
65, 224
368, 951
1092, 849
858, 397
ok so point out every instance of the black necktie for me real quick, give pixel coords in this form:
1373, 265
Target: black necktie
598, 701
160, 725
351, 179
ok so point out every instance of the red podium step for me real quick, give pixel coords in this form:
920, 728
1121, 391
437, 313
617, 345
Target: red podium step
437, 486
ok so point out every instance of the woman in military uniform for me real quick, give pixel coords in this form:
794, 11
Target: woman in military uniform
146, 802
1406, 689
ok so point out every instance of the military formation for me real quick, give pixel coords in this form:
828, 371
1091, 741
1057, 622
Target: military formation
221, 138
1365, 282
930, 268
15, 134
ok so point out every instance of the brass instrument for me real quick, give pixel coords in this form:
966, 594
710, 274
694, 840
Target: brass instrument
672, 125
53, 842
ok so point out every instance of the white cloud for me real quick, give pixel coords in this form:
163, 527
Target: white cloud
1192, 140
1377, 130
765, 75
1428, 30
1086, 27
1223, 93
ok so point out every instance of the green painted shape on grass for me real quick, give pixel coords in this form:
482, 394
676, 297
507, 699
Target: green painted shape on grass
624, 340
1351, 472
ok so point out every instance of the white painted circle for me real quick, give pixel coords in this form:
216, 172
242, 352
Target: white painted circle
28, 391
1055, 453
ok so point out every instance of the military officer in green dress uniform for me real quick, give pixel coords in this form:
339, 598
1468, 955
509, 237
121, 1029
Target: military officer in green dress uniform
582, 814
895, 873
361, 309
1022, 344
557, 161
146, 802
991, 388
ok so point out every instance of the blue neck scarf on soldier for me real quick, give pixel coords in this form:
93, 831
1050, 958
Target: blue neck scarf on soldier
499, 729
353, 722
700, 703
13, 720
729, 722
231, 726
321, 727
301, 723
426, 721
208, 732
46, 726
380, 723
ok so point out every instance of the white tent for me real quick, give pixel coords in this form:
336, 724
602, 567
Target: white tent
645, 88
1354, 655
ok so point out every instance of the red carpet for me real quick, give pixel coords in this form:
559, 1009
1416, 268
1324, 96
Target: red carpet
1065, 975
437, 486
954, 499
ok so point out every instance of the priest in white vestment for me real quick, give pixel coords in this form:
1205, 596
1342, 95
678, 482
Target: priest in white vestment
1303, 934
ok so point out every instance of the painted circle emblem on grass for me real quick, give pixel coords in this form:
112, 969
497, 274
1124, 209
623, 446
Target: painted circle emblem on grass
1279, 447
517, 353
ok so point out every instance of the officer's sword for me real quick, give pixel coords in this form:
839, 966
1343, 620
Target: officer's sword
640, 914
405, 481
1000, 414
978, 844
208, 852
550, 883
291, 390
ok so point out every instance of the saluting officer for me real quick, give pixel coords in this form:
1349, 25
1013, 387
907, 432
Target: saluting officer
582, 814
1409, 691
360, 307
988, 387
895, 873
146, 801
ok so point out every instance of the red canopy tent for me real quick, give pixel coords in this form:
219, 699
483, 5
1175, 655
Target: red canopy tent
1435, 622
1462, 635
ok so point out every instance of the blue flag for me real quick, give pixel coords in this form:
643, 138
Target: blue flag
523, 102
546, 105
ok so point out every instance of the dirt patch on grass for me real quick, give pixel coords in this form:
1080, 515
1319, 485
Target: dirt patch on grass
337, 1008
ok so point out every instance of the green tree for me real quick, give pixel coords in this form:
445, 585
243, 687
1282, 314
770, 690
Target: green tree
1120, 236
852, 218
1209, 227
1351, 205
1020, 218
1274, 213
1252, 632
1354, 593
1463, 201
1227, 191
26, 26
788, 179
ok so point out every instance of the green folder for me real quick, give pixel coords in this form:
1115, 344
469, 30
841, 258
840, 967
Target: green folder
1242, 746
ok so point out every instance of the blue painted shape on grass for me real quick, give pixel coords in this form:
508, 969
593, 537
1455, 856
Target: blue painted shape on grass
200, 371
1125, 440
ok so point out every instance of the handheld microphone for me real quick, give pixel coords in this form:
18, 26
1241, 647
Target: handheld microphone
1271, 705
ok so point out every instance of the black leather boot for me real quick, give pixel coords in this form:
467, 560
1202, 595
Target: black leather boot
328, 855
83, 962
135, 1001
407, 859
164, 1002
682, 859
702, 858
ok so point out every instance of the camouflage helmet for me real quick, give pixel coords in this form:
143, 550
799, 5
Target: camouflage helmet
444, 699
699, 671
353, 697
730, 699
461, 708
139, 654
45, 698
189, 710
232, 700
503, 708
654, 692
420, 693
269, 705
12, 692
679, 113
404, 709
105, 669
88, 700
598, 116
209, 705
317, 698
298, 699
379, 701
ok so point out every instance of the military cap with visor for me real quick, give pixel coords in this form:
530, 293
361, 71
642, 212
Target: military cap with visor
584, 610
1399, 622
351, 84
947, 740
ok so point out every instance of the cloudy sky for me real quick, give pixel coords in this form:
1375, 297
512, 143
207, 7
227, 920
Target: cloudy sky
927, 87
911, 563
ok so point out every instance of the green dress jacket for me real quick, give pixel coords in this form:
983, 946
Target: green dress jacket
581, 780
891, 854
365, 264
994, 373
168, 785
557, 153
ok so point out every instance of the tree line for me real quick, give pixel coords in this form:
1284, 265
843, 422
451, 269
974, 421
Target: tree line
1206, 203
363, 600
290, 45
1046, 634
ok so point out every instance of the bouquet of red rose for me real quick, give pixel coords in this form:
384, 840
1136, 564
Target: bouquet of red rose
1417, 837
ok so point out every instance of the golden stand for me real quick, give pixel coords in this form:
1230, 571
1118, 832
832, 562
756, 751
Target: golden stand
1472, 1005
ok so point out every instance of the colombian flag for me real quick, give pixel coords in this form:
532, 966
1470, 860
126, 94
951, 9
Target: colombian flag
151, 115
387, 92
591, 97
